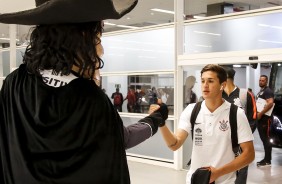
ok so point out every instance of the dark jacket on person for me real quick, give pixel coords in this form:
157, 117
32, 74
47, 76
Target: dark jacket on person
71, 134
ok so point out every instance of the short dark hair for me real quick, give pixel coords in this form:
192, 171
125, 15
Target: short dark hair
221, 73
59, 47
264, 77
230, 72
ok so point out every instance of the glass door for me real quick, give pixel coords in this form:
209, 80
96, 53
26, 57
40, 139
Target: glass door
248, 65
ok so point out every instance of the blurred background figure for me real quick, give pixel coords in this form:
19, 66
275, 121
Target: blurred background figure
131, 99
163, 95
152, 96
190, 96
264, 121
139, 94
117, 100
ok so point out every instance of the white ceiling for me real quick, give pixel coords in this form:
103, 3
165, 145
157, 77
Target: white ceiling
142, 15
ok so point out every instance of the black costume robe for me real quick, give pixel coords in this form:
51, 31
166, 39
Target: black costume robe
71, 134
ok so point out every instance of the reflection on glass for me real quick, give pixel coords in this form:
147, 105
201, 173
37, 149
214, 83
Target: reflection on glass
135, 93
161, 12
195, 9
140, 51
276, 84
189, 94
258, 32
192, 85
4, 36
276, 79
19, 57
146, 13
23, 35
4, 63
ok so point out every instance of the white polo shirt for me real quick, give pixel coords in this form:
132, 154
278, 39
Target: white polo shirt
212, 144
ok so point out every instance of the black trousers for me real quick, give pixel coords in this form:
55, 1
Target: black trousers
264, 131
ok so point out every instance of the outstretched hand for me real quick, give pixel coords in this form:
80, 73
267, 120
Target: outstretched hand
153, 108
159, 109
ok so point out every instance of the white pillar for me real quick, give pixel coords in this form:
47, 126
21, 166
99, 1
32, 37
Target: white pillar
248, 73
13, 53
178, 75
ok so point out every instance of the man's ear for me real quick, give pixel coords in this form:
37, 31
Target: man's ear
223, 85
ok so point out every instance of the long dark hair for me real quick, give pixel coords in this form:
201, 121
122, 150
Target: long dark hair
59, 47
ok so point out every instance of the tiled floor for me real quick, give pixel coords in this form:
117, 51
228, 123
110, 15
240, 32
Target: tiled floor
149, 174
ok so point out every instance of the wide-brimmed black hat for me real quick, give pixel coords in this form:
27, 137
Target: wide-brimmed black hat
69, 11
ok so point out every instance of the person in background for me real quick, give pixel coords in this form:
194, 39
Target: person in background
139, 95
117, 100
190, 95
131, 100
264, 120
163, 95
246, 101
243, 98
56, 123
212, 146
152, 96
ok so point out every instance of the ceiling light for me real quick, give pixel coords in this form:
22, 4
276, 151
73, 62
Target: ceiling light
268, 41
198, 17
8, 39
202, 32
198, 45
124, 26
163, 11
120, 55
237, 66
269, 26
109, 24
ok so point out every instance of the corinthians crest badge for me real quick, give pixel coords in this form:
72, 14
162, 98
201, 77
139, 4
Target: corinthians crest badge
223, 125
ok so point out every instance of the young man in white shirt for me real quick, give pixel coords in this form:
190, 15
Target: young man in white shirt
213, 146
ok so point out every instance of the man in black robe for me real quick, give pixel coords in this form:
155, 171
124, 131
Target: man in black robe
56, 124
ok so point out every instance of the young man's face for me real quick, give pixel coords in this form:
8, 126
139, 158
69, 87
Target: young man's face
262, 82
211, 87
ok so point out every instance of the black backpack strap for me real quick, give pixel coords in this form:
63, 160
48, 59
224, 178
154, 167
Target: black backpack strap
194, 115
233, 123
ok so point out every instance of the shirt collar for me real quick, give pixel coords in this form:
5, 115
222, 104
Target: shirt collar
223, 106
